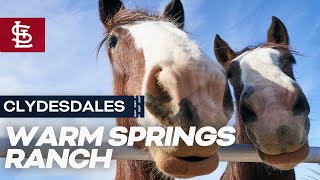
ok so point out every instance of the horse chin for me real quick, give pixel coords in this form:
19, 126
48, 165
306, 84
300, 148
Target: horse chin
184, 166
285, 161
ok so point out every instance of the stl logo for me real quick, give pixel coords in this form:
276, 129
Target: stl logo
22, 35
21, 31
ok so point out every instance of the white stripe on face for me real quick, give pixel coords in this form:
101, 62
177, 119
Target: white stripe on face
185, 67
163, 43
262, 64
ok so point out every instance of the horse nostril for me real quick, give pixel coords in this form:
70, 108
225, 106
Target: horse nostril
154, 86
157, 97
247, 114
187, 115
284, 134
301, 105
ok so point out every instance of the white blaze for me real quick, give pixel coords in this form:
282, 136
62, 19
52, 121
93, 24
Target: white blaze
262, 64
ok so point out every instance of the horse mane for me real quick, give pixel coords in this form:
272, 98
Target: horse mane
123, 17
285, 50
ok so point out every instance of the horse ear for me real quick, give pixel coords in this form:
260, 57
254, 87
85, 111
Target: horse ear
222, 51
174, 10
277, 32
108, 8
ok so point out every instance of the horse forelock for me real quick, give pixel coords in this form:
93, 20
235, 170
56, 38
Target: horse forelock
124, 17
285, 50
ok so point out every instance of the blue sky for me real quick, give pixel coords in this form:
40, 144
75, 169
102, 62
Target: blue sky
74, 31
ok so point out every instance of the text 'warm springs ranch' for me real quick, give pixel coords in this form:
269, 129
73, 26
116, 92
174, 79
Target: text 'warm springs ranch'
73, 139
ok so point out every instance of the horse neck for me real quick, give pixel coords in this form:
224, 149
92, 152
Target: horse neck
251, 171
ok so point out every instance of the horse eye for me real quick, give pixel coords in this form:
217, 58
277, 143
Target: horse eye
112, 41
229, 75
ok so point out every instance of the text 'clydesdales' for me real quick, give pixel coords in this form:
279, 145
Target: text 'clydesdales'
72, 106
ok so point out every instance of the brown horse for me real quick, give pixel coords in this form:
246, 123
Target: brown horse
152, 55
272, 110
